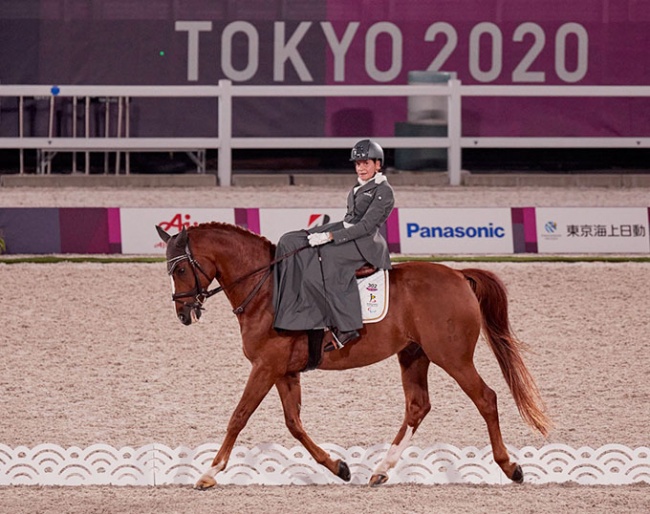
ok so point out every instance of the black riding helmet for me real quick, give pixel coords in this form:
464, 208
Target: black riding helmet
367, 149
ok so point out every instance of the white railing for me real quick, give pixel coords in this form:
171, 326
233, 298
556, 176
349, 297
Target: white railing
225, 142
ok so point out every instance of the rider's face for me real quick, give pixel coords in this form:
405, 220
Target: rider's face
366, 169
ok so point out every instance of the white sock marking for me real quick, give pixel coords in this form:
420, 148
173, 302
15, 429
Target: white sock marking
394, 453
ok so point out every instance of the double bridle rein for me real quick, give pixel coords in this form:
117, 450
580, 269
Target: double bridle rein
200, 294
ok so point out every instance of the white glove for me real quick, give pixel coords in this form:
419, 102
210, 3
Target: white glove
319, 238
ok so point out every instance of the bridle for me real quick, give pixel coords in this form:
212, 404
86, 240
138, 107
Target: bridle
200, 294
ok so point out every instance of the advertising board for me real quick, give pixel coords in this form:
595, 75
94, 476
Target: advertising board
139, 234
464, 231
592, 230
275, 222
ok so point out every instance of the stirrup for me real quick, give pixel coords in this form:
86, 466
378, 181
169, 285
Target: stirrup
336, 343
331, 346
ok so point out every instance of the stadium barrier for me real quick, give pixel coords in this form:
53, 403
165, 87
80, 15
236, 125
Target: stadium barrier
409, 231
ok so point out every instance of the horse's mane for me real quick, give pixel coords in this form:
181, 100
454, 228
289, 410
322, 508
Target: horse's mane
216, 225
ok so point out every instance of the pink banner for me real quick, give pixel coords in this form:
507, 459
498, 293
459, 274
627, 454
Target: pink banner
583, 42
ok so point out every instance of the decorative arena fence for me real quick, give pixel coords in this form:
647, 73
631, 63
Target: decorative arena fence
272, 464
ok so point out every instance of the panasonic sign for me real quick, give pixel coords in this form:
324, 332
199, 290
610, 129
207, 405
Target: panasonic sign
466, 231
415, 230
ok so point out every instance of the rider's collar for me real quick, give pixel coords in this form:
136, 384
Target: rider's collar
378, 177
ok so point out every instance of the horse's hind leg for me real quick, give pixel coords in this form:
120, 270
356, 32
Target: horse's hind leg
290, 395
415, 365
485, 400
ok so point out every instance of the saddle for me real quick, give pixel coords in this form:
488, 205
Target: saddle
365, 271
317, 339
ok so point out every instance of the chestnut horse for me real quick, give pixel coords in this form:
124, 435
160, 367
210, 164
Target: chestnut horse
436, 314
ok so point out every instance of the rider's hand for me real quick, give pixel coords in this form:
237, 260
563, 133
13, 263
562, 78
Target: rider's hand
319, 238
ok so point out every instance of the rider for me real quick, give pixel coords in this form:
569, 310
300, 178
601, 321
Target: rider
315, 288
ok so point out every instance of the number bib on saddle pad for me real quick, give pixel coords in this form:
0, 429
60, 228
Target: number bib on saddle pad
373, 291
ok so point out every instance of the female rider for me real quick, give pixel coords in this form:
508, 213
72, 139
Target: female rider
316, 288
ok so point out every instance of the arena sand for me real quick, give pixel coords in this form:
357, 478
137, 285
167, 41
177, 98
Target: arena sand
93, 353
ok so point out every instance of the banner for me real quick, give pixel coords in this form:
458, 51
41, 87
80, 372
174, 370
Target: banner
592, 230
439, 231
425, 231
275, 222
139, 235
348, 42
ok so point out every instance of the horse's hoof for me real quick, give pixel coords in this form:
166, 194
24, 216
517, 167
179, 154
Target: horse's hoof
376, 480
205, 482
517, 475
344, 471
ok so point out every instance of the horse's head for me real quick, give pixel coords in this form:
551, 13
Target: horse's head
189, 279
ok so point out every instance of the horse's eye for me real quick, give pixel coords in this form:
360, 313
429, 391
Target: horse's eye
181, 271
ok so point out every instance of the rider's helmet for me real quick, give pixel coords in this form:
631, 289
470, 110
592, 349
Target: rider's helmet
367, 149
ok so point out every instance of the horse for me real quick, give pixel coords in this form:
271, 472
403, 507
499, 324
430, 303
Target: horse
436, 315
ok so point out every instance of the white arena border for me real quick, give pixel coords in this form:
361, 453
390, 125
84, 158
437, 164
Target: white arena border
272, 464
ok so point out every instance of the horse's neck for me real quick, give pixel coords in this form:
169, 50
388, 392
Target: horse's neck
237, 256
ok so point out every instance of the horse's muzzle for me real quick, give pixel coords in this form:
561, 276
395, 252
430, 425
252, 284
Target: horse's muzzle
189, 314
185, 319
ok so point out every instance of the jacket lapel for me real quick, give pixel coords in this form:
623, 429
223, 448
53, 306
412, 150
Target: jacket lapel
366, 188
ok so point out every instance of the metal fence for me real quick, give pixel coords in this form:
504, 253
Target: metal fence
118, 139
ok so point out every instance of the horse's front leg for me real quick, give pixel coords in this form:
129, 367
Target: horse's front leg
289, 389
415, 366
258, 385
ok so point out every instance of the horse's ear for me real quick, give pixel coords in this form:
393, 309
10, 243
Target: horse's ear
163, 235
181, 238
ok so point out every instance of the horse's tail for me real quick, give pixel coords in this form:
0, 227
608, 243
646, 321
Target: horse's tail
493, 299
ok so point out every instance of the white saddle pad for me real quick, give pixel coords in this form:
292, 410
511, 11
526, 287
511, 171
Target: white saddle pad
373, 291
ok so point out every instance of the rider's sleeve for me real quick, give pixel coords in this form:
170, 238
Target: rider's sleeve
376, 214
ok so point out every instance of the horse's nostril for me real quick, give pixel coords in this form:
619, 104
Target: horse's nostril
185, 320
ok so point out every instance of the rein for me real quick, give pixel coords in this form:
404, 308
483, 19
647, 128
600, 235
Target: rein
200, 294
